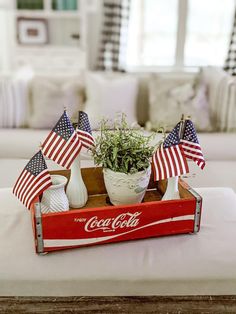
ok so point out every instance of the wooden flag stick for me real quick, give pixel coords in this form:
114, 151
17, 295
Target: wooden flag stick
182, 126
172, 190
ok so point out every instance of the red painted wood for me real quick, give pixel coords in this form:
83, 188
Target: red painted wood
118, 223
93, 226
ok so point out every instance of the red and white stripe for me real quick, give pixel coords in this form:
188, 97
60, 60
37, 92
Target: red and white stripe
169, 162
28, 186
86, 138
61, 151
193, 151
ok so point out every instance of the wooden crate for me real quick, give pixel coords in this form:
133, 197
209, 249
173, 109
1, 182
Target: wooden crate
99, 222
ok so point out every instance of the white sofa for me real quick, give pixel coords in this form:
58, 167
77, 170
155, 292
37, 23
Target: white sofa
18, 145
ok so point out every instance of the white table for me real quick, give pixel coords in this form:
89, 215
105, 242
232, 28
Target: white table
177, 265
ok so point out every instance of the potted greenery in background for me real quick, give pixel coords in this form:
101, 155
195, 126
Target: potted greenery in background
124, 154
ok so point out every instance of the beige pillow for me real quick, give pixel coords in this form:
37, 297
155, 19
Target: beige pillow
48, 99
171, 97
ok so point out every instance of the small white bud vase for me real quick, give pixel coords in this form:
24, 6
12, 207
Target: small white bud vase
125, 188
172, 190
54, 199
76, 190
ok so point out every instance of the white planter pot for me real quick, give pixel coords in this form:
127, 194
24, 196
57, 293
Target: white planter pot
54, 198
76, 189
125, 188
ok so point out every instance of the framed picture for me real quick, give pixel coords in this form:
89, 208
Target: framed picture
32, 31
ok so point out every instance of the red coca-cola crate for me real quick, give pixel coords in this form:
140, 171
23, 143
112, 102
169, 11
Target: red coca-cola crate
99, 222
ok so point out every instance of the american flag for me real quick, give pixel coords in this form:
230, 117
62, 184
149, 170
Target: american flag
169, 160
188, 141
62, 144
191, 146
33, 180
84, 131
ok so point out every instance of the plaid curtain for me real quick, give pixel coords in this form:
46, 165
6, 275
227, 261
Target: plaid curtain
112, 48
230, 63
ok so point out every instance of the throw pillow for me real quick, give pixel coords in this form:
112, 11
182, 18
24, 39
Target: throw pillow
48, 99
171, 97
13, 102
109, 94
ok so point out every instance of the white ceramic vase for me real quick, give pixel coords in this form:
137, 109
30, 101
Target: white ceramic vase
54, 199
76, 190
172, 190
125, 188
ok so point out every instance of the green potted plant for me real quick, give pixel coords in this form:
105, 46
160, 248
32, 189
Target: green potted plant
124, 154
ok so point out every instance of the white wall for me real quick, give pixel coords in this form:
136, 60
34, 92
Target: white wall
6, 40
94, 24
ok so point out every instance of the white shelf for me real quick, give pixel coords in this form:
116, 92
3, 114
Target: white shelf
47, 14
64, 51
48, 47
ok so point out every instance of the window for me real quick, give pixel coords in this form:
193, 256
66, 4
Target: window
179, 32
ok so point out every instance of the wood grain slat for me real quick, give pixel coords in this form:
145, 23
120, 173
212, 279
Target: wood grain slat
135, 304
93, 180
92, 177
101, 200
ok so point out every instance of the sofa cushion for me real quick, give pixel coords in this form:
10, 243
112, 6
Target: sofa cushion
215, 174
10, 170
221, 95
13, 102
108, 94
50, 96
20, 143
218, 146
23, 143
169, 98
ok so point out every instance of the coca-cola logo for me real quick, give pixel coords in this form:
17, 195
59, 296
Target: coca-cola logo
125, 220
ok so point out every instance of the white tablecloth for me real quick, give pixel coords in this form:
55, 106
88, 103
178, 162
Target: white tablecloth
177, 265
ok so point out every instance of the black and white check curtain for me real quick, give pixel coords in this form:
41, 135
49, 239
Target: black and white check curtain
230, 63
112, 49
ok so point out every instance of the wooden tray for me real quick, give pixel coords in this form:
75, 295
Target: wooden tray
99, 222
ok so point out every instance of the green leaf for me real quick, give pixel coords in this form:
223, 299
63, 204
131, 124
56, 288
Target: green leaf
123, 149
114, 154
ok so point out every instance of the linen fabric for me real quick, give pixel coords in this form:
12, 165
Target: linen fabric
13, 102
49, 97
171, 97
201, 264
23, 143
231, 112
11, 169
20, 143
113, 39
109, 94
225, 174
221, 94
